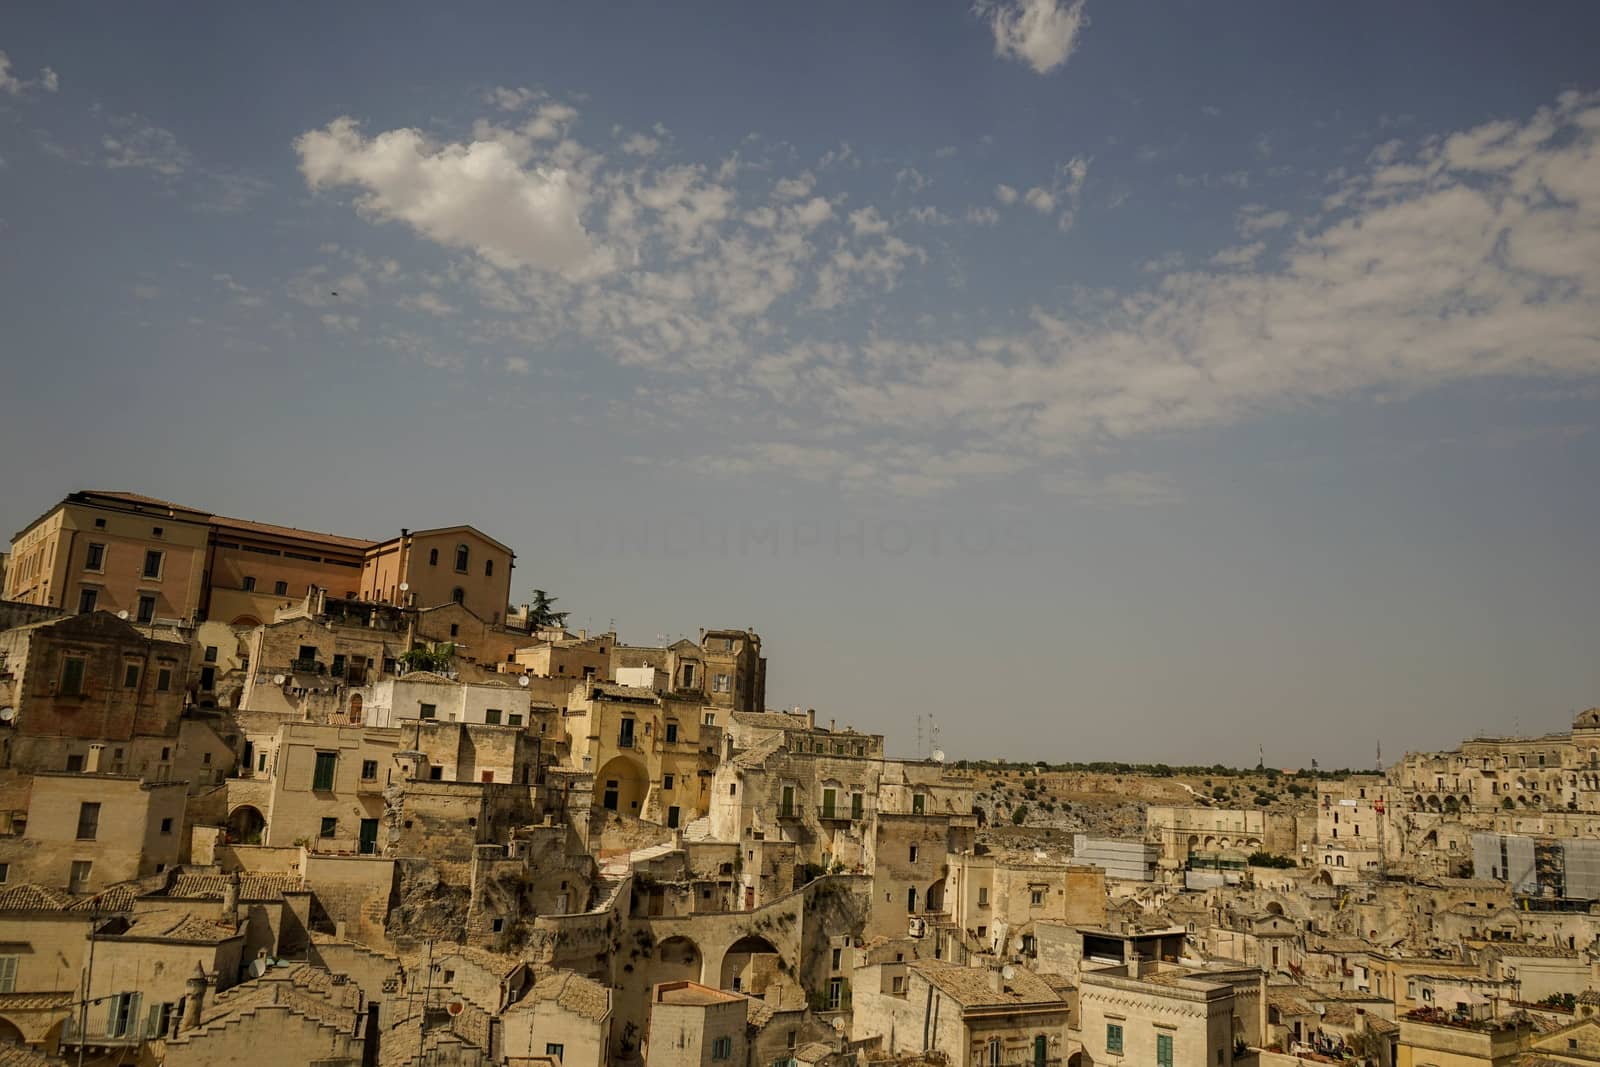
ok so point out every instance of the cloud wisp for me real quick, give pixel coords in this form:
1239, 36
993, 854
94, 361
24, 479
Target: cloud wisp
1039, 33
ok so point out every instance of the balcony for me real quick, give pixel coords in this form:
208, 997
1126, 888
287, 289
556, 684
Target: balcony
307, 666
624, 740
835, 813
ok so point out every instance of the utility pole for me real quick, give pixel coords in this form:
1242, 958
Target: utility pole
88, 979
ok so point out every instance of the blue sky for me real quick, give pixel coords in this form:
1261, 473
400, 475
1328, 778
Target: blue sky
1103, 380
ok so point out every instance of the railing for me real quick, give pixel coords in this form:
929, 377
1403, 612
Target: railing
624, 740
837, 814
100, 1033
306, 666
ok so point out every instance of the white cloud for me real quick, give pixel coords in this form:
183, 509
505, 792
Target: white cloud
11, 85
1040, 33
1005, 194
639, 144
982, 216
518, 365
475, 196
137, 143
511, 99
1255, 220
1239, 256
867, 222
1040, 199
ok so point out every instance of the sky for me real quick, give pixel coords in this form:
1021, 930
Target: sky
1074, 381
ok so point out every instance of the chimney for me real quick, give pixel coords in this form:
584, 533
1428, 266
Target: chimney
194, 1003
811, 718
230, 902
91, 763
996, 980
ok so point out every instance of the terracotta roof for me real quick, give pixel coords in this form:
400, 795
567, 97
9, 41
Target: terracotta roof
23, 1056
1549, 952
27, 896
115, 898
770, 720
1589, 996
136, 498
972, 987
582, 996
178, 926
311, 991
267, 529
252, 886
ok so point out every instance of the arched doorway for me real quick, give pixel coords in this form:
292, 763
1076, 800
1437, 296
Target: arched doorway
10, 1033
247, 826
747, 965
355, 709
678, 959
620, 786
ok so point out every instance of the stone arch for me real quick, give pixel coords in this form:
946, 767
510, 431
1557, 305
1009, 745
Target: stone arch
621, 785
247, 621
742, 962
1254, 844
246, 825
1451, 806
1274, 908
10, 1032
1211, 844
678, 958
933, 899
1324, 878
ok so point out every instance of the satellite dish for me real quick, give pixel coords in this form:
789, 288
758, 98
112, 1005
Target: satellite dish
522, 680
1008, 972
838, 1023
123, 614
405, 586
278, 679
938, 755
8, 714
455, 1007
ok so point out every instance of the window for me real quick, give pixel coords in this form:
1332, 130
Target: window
1041, 1047
838, 957
666, 782
555, 1050
8, 974
710, 718
369, 769
919, 803
330, 827
672, 732
280, 588
164, 679
722, 1048
322, 777
673, 815
96, 560
72, 676
492, 716
488, 568
81, 869
435, 774
1163, 1050
88, 821
897, 984
208, 679
720, 683
458, 595
152, 564
1036, 897
830, 798
983, 896
993, 1056
124, 1013
688, 676
461, 558
835, 993
5, 872
99, 524
130, 676
157, 531
1114, 1038
428, 711
211, 653
86, 601
147, 608
857, 805
913, 856
514, 719
499, 924
166, 826
433, 557
248, 584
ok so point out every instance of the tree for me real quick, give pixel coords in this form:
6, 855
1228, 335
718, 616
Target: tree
436, 658
542, 614
1018, 814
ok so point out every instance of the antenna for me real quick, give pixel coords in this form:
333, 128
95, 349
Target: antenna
919, 734
933, 738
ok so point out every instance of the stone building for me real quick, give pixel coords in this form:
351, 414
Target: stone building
85, 680
88, 831
725, 670
254, 569
1187, 834
692, 1025
445, 565
1000, 901
1143, 1012
565, 1016
427, 697
319, 659
974, 1015
651, 756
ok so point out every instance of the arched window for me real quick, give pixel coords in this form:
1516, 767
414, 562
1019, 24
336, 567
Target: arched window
433, 557
461, 558
994, 1052
459, 595
355, 709
488, 568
